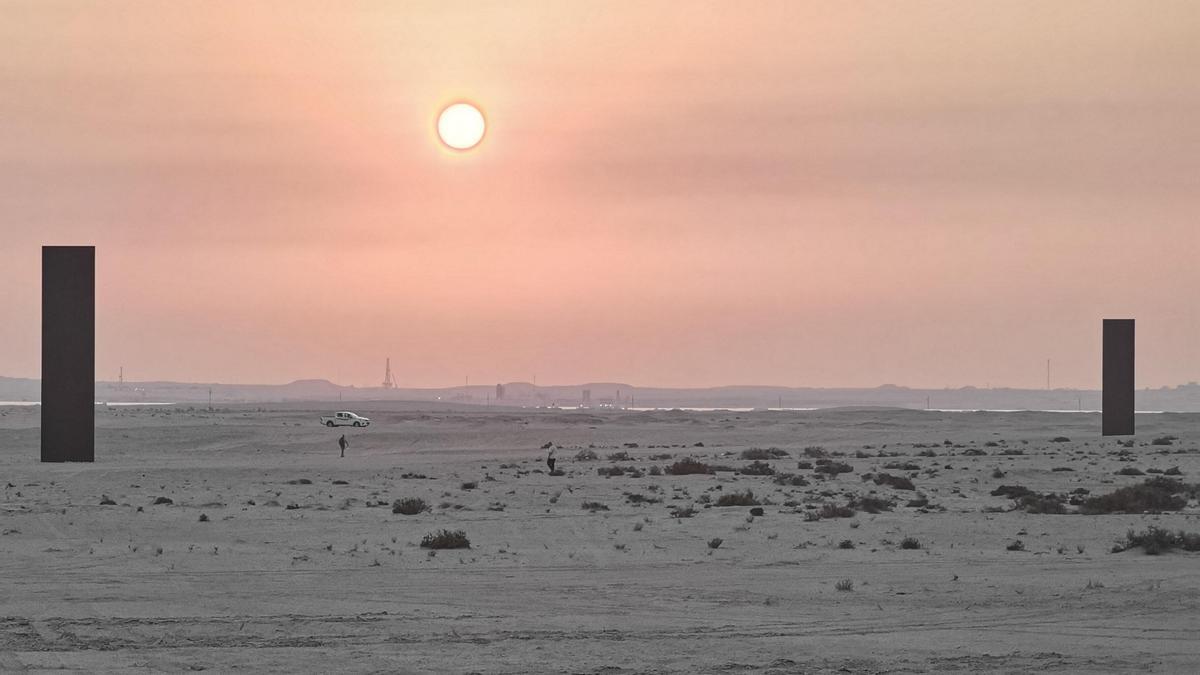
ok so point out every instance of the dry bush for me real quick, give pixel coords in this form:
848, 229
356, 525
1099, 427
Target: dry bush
443, 539
1046, 504
1155, 540
409, 506
764, 453
898, 482
758, 468
1012, 491
738, 499
834, 468
870, 504
688, 466
910, 543
1154, 495
835, 511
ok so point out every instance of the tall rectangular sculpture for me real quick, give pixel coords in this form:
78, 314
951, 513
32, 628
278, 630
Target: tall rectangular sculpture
68, 353
1118, 377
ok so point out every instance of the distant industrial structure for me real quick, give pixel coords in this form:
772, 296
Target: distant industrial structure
389, 382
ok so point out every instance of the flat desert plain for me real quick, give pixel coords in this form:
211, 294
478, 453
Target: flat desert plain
238, 540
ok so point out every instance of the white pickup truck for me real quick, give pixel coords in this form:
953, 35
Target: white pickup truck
344, 419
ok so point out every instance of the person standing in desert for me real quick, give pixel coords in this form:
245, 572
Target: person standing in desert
343, 443
550, 459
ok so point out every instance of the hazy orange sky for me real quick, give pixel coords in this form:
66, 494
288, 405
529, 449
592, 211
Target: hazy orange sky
822, 194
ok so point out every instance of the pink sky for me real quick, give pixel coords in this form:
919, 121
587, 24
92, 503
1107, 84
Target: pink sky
689, 194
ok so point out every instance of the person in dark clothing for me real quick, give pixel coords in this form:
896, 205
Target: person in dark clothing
343, 443
550, 460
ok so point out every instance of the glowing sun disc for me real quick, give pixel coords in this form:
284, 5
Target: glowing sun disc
461, 126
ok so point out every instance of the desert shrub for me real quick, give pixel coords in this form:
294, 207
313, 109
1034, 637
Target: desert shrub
764, 453
203, 517
974, 452
683, 512
1012, 452
655, 470
1130, 471
636, 498
409, 506
163, 500
1154, 495
834, 468
1164, 440
898, 482
804, 465
586, 455
846, 544
1012, 491
1155, 540
1048, 503
834, 511
469, 485
844, 585
757, 511
621, 456
917, 503
594, 506
1016, 545
1060, 439
870, 504
446, 539
910, 543
105, 500
610, 471
1173, 471
737, 499
715, 543
688, 466
790, 479
902, 466
757, 468
815, 451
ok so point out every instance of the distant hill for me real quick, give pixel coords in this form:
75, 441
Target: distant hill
1184, 398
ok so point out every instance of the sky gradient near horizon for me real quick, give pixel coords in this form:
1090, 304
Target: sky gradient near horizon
791, 193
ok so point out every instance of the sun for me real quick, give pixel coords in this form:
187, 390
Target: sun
461, 126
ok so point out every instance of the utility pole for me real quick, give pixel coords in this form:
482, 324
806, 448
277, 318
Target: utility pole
1047, 373
210, 398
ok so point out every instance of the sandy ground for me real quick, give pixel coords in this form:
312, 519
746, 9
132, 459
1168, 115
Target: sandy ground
288, 576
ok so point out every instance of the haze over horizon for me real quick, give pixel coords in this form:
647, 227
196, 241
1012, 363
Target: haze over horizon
929, 194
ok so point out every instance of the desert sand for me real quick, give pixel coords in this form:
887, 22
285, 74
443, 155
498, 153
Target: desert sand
300, 565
